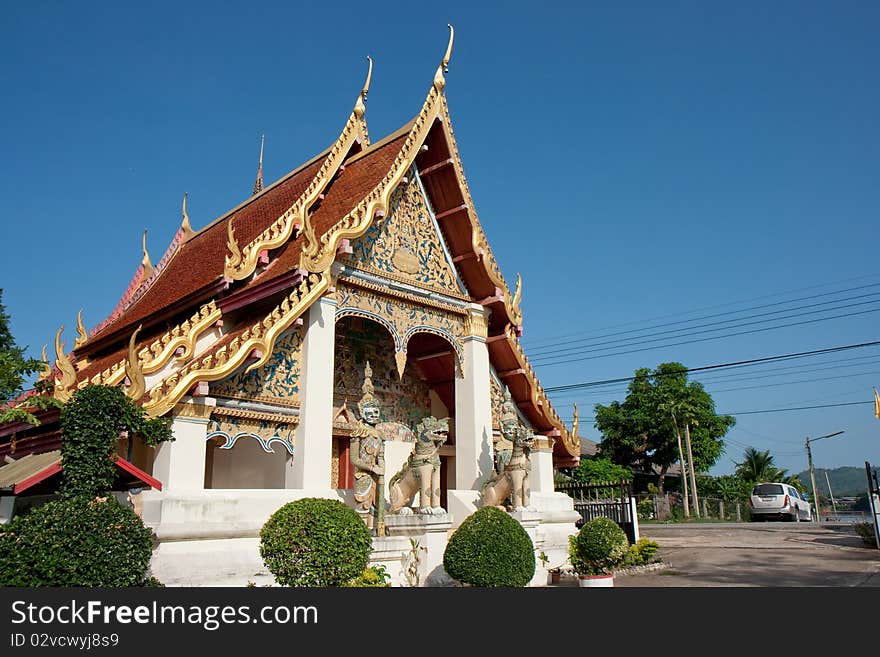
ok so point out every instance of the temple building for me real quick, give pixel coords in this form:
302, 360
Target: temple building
258, 335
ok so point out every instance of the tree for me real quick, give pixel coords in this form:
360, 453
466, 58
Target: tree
643, 429
14, 369
758, 466
599, 471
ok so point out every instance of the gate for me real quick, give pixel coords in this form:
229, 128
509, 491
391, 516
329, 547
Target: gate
606, 499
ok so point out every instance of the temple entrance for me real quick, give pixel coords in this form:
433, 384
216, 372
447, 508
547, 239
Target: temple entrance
427, 387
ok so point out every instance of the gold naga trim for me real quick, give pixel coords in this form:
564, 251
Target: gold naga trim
539, 397
154, 356
223, 361
318, 254
241, 262
260, 416
81, 335
45, 368
479, 243
65, 366
133, 370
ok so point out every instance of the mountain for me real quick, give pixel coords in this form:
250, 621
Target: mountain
848, 480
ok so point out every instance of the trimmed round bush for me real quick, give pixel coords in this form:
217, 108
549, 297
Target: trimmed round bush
598, 547
79, 541
315, 542
490, 549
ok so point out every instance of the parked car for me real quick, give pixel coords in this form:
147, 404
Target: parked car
778, 501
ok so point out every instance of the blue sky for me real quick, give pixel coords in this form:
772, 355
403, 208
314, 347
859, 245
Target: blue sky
638, 163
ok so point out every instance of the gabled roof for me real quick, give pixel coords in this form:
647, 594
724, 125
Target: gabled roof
278, 247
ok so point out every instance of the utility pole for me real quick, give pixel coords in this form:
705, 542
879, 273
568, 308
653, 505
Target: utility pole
684, 484
813, 472
687, 438
831, 493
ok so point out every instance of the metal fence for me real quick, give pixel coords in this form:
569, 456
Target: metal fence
611, 499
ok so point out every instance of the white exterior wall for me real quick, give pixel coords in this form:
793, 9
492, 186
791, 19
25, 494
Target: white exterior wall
180, 464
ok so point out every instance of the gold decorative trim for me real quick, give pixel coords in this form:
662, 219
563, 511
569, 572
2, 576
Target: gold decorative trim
412, 298
241, 264
221, 362
576, 424
45, 368
81, 335
193, 410
402, 279
65, 366
477, 324
260, 416
133, 370
154, 356
289, 402
517, 295
319, 253
479, 243
539, 397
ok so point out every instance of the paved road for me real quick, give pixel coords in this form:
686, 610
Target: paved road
758, 554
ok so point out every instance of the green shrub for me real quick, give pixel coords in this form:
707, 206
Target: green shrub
490, 549
76, 542
598, 547
91, 422
315, 542
866, 531
645, 509
642, 553
372, 576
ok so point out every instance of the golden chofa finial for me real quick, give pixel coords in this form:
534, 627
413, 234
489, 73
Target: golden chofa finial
45, 368
148, 266
359, 106
81, 335
133, 370
63, 387
439, 80
576, 424
184, 224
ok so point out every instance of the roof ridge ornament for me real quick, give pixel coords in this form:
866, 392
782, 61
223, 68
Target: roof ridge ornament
439, 80
576, 423
359, 106
81, 335
133, 370
65, 366
233, 258
258, 183
147, 265
185, 224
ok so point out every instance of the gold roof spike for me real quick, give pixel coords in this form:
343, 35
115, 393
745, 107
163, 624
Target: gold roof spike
184, 224
439, 80
81, 335
68, 371
133, 370
258, 183
148, 266
359, 106
45, 369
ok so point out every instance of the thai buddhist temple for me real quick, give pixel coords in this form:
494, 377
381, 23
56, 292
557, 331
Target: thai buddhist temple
364, 272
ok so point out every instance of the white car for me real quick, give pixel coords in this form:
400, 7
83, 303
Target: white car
775, 500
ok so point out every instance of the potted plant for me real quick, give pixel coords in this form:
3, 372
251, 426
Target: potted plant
596, 550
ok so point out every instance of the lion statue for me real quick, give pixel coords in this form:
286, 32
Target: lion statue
421, 472
509, 489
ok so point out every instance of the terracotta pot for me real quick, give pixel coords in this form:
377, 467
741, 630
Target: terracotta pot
592, 581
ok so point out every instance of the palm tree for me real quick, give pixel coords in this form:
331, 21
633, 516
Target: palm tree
758, 466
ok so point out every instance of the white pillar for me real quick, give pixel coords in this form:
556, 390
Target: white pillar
473, 407
313, 443
180, 464
541, 475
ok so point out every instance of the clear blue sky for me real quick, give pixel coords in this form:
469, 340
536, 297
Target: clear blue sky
633, 161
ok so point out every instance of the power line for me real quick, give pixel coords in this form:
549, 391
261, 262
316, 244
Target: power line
542, 350
721, 305
731, 365
548, 360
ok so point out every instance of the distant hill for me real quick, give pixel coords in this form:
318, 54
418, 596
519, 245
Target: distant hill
848, 480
